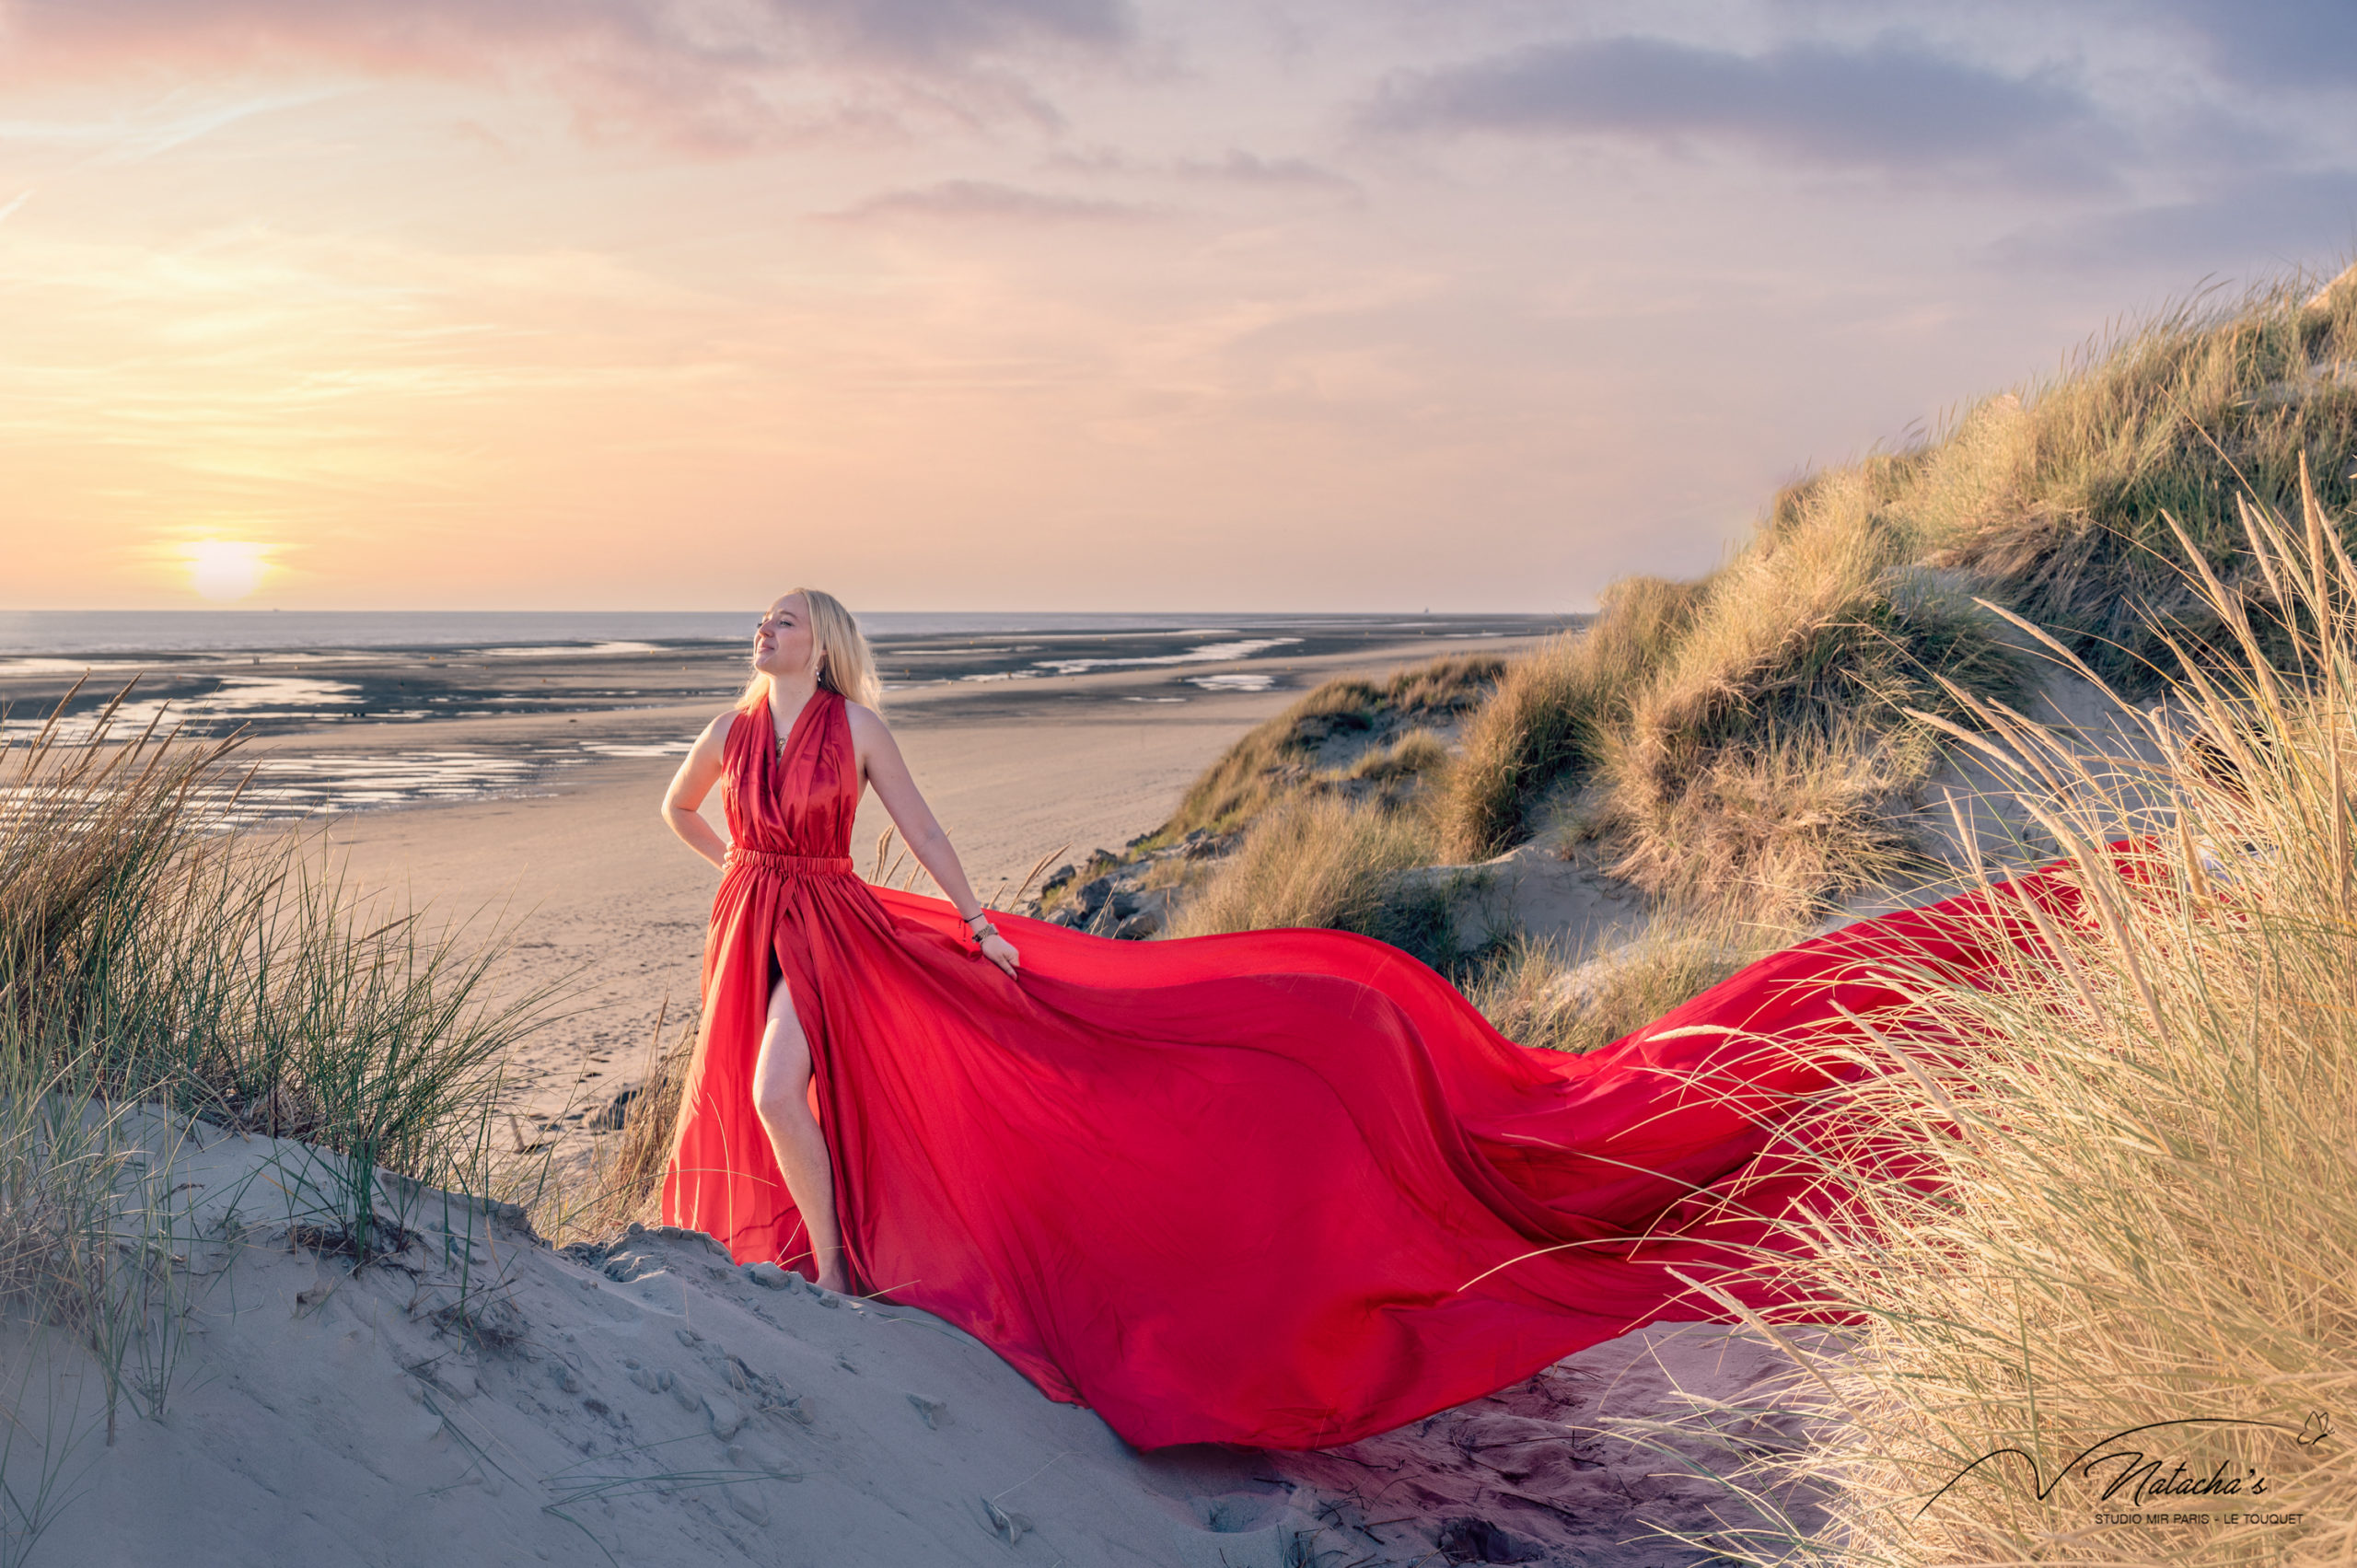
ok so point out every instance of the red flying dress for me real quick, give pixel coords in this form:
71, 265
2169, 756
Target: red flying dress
1279, 1188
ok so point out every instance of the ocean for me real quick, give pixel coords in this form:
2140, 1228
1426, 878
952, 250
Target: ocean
388, 685
68, 633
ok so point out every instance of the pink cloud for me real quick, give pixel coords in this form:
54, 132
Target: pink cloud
983, 201
710, 75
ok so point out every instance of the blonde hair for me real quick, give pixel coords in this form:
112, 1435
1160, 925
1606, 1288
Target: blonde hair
845, 664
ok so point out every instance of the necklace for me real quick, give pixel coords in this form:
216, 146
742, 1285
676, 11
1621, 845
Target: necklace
787, 733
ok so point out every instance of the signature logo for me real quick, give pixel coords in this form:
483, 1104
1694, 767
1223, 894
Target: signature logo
2140, 1472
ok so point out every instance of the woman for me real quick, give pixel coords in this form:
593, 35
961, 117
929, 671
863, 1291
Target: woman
1284, 1188
806, 648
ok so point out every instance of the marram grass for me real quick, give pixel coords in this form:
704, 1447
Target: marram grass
1778, 690
1284, 755
149, 960
1535, 994
2137, 1200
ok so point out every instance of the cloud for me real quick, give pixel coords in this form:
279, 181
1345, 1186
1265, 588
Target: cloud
1890, 105
2251, 224
1237, 168
1278, 173
715, 74
983, 201
2305, 43
153, 130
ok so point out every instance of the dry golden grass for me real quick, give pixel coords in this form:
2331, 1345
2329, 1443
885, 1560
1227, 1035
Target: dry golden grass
626, 1177
1744, 732
1321, 860
1413, 755
2058, 497
1548, 719
1772, 830
1332, 811
1743, 735
2114, 1187
1533, 994
1284, 755
1758, 756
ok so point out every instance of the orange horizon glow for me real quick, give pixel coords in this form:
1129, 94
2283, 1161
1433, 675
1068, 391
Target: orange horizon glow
1083, 306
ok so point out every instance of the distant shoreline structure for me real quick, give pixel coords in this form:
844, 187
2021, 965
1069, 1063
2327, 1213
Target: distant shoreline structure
64, 635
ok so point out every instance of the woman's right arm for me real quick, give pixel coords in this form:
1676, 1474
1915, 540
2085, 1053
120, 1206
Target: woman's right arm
691, 784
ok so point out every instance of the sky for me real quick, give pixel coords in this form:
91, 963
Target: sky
1315, 305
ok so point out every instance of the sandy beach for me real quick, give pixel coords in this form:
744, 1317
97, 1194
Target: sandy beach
554, 829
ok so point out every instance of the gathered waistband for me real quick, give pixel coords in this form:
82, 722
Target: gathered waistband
791, 864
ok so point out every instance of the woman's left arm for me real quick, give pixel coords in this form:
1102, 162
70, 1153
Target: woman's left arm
881, 763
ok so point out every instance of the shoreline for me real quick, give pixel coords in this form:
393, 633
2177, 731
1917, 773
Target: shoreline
599, 889
43, 634
281, 690
333, 731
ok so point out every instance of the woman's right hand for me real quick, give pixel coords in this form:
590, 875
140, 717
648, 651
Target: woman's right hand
698, 773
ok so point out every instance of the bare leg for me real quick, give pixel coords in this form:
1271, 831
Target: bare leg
781, 1098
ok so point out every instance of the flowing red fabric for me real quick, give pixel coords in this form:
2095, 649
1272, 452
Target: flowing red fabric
1282, 1188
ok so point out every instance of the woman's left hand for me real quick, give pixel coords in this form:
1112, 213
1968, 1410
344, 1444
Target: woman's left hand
1000, 951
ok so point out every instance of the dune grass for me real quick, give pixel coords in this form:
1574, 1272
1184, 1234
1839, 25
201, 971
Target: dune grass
1322, 859
242, 980
1535, 994
2061, 497
1413, 755
1331, 800
1776, 830
148, 961
1549, 721
626, 1177
2115, 1189
1282, 756
1741, 736
1786, 703
93, 1290
1809, 645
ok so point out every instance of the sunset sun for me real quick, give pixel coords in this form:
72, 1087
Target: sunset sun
224, 570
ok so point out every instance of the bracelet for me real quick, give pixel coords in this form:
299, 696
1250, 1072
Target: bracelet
978, 914
987, 931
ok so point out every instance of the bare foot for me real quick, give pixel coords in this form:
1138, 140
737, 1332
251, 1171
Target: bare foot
833, 1280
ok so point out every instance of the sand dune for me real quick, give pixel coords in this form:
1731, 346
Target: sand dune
475, 1396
